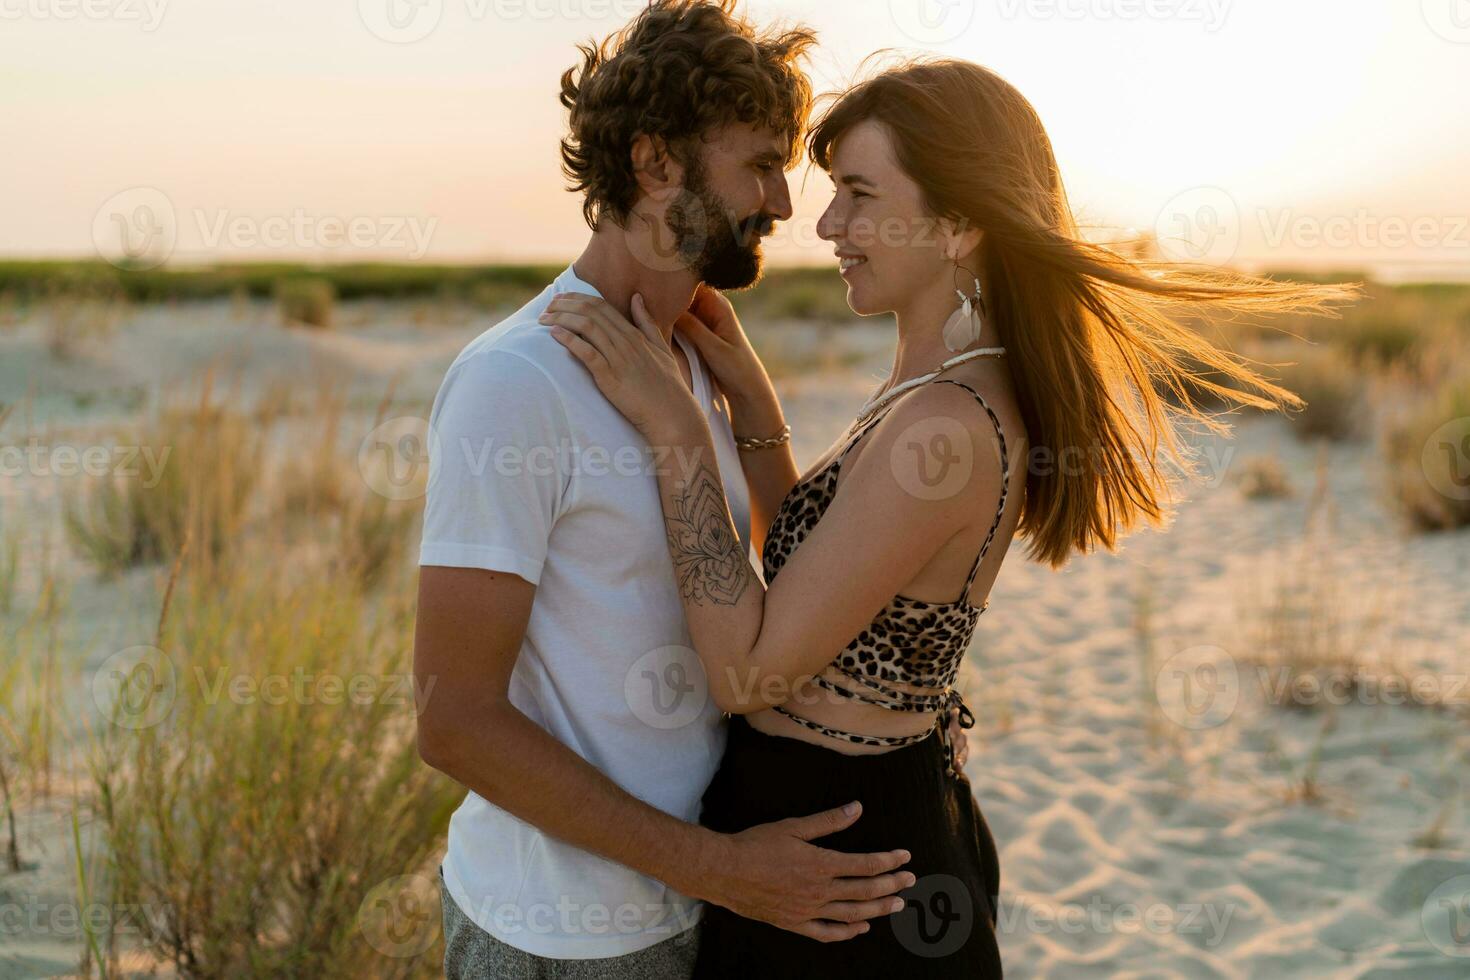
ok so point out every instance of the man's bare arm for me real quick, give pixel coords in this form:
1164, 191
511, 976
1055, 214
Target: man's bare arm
470, 626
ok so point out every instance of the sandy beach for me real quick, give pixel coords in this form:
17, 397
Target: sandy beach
1170, 800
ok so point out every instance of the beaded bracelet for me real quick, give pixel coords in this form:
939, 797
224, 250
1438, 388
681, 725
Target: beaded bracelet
749, 442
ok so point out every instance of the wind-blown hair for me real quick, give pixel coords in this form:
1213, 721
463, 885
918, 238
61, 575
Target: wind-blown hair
1092, 335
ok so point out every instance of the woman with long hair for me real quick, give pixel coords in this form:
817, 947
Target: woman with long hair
1035, 391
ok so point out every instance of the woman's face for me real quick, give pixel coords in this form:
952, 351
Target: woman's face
886, 242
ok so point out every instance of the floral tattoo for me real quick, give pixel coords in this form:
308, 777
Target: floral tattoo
706, 550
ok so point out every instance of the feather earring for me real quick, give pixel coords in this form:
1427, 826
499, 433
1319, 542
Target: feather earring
964, 325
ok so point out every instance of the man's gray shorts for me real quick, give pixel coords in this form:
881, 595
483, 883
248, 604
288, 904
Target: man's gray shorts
471, 953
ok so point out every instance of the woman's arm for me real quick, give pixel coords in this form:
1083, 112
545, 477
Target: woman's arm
760, 645
713, 327
770, 472
912, 489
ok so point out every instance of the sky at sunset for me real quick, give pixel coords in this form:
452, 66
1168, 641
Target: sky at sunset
1295, 132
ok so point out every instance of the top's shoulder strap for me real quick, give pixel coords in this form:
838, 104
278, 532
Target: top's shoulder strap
1005, 482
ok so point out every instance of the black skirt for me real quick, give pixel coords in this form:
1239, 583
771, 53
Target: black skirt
947, 926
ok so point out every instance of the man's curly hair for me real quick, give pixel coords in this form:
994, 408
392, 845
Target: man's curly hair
679, 70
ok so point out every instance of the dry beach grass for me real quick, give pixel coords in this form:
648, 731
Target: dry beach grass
1235, 748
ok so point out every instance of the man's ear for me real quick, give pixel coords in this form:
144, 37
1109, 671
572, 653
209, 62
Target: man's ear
654, 167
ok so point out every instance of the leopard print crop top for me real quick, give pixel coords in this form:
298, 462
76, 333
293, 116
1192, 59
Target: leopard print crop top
910, 641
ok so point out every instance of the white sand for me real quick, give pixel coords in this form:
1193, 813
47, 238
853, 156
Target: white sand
1181, 854
1118, 859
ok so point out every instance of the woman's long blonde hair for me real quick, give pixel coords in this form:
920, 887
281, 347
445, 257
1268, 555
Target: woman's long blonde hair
1093, 336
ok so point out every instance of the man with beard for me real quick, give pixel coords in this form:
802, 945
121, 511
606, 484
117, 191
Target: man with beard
565, 694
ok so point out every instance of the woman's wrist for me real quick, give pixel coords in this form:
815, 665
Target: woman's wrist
756, 416
752, 443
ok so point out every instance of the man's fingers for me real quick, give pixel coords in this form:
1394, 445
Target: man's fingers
867, 865
874, 887
826, 822
861, 911
831, 932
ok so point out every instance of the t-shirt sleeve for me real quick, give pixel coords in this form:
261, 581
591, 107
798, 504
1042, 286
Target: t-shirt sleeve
498, 432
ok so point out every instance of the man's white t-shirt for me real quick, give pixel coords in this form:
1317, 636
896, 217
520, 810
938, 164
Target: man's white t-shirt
533, 472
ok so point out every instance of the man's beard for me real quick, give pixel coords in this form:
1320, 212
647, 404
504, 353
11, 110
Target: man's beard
723, 253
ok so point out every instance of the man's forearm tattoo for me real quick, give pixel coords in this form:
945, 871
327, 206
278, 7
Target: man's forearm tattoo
708, 560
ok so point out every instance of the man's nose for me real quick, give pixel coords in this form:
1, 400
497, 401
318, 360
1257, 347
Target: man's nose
778, 201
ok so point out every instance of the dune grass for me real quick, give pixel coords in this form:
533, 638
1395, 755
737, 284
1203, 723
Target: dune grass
9, 542
280, 836
254, 781
196, 465
1263, 478
32, 679
29, 280
76, 319
9, 565
1302, 636
1426, 456
308, 301
314, 480
1329, 381
259, 785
